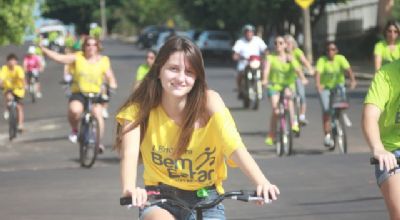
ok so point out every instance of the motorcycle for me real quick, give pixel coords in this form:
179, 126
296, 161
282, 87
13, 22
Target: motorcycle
251, 86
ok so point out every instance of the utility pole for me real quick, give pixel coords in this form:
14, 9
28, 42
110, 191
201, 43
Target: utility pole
103, 18
307, 35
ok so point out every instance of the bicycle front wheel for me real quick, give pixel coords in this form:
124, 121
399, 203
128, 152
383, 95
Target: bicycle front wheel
340, 138
89, 141
12, 121
288, 134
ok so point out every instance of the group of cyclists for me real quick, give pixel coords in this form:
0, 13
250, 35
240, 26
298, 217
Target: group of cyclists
87, 71
185, 135
284, 70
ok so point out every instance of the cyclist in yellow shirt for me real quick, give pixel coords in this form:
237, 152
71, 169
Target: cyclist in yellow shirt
174, 99
90, 68
12, 81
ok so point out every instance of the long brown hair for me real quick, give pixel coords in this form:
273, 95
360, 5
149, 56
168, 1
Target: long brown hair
149, 93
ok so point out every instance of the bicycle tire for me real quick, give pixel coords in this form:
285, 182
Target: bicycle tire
89, 141
340, 139
279, 131
253, 95
288, 134
12, 121
297, 113
32, 89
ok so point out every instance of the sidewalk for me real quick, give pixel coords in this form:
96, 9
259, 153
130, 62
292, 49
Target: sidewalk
363, 69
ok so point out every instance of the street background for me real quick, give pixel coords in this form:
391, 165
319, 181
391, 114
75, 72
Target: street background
40, 177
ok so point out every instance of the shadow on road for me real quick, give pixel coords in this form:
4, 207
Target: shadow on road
341, 201
44, 139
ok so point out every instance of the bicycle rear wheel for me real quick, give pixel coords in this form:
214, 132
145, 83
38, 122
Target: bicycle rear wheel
89, 140
288, 134
12, 121
32, 89
340, 137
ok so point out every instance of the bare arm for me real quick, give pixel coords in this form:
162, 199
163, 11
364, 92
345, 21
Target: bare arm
250, 168
61, 58
235, 56
301, 76
307, 64
130, 146
267, 69
352, 77
111, 79
370, 118
318, 81
377, 62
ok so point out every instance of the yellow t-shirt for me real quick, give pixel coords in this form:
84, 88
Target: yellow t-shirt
203, 163
88, 77
13, 80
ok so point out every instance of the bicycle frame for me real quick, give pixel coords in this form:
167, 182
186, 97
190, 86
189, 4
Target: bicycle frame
284, 135
338, 129
88, 140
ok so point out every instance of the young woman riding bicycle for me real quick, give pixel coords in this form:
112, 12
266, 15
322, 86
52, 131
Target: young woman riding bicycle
380, 122
90, 68
184, 134
330, 74
281, 71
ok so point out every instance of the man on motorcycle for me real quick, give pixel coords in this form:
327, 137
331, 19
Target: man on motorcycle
245, 47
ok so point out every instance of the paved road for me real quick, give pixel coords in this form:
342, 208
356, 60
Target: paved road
40, 177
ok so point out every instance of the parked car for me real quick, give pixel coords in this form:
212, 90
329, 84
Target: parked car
215, 43
149, 35
163, 36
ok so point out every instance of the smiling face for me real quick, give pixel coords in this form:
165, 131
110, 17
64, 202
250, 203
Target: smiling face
177, 76
280, 44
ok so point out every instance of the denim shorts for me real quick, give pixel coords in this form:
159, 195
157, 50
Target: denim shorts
382, 175
215, 213
325, 97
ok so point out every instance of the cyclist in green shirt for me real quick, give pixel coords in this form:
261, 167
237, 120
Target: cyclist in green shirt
144, 68
293, 49
381, 123
280, 72
330, 74
95, 31
387, 50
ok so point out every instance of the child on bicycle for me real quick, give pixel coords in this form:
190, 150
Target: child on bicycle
279, 73
12, 81
184, 134
380, 122
32, 67
330, 74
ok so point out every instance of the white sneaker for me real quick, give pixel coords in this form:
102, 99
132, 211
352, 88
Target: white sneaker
6, 115
73, 138
39, 95
328, 142
105, 113
303, 120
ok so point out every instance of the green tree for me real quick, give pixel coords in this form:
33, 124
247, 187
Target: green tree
16, 17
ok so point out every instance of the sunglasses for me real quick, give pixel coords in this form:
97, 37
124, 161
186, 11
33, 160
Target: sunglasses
332, 48
279, 42
93, 45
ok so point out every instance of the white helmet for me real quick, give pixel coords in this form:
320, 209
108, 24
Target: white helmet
93, 25
31, 50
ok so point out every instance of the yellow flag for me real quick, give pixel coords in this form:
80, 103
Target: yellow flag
304, 3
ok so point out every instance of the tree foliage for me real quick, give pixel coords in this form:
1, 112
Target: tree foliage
78, 12
16, 16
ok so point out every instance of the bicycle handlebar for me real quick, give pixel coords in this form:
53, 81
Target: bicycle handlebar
374, 161
241, 195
